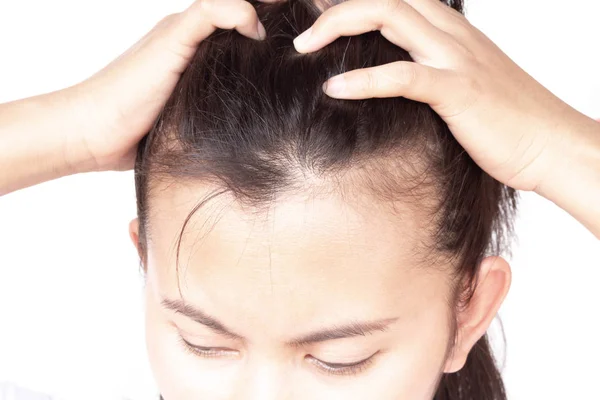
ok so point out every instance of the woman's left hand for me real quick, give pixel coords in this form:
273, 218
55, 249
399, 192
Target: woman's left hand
512, 127
119, 104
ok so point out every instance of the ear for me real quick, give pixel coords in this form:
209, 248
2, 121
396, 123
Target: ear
475, 318
134, 234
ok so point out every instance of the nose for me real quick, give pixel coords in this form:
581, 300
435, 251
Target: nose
264, 379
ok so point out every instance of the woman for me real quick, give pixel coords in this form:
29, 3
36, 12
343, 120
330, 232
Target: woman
255, 363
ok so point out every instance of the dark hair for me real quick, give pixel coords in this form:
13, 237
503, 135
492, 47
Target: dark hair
249, 115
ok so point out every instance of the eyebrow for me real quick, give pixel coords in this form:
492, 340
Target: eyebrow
349, 330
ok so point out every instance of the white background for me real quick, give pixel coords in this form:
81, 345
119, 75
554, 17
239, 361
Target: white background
70, 289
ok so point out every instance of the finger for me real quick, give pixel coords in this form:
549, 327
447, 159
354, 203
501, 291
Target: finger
402, 78
444, 17
398, 22
202, 17
435, 10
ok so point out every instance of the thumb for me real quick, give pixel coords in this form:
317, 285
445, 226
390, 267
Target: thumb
202, 17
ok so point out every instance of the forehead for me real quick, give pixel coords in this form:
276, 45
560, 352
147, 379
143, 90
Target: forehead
318, 251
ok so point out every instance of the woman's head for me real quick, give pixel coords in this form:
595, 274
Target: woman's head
303, 247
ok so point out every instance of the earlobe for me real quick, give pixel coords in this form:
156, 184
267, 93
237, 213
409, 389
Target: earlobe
134, 232
474, 319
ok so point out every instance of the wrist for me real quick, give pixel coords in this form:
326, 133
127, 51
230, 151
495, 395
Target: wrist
576, 156
77, 154
33, 134
574, 181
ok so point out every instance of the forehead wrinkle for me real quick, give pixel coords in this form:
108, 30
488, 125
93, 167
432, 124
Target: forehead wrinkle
327, 247
340, 330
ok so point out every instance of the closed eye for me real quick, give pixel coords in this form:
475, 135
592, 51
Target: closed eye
207, 352
342, 368
330, 368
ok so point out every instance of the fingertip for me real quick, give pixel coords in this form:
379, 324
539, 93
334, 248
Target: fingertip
335, 86
262, 33
303, 41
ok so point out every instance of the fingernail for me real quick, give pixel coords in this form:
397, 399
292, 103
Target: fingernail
302, 40
262, 33
335, 86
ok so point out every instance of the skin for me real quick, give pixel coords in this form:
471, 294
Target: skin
514, 128
96, 124
537, 143
309, 264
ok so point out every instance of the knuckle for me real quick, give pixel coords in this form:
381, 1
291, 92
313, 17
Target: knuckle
370, 81
463, 28
246, 11
458, 54
472, 86
385, 11
405, 74
226, 14
475, 87
390, 5
205, 5
472, 66
199, 8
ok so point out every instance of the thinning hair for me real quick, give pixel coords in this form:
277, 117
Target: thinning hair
251, 118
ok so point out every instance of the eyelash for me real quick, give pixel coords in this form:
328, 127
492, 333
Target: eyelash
206, 352
343, 369
336, 369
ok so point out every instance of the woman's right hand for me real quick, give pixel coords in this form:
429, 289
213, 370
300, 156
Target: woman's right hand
122, 100
513, 128
96, 124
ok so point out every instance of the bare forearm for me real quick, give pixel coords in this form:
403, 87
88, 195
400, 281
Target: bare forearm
34, 140
574, 183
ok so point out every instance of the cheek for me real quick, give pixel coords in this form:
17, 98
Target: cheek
418, 367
